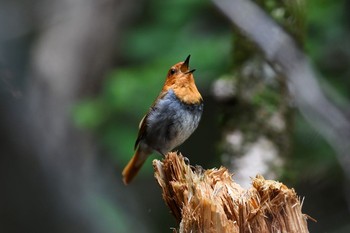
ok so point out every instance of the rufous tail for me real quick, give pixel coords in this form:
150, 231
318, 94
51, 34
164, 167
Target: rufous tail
134, 165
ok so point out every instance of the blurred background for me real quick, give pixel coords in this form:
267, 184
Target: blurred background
77, 76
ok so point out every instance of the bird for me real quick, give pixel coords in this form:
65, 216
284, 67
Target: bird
171, 119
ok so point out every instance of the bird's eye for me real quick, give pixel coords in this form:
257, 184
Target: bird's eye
172, 71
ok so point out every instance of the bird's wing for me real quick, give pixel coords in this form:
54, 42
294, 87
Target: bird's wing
142, 130
143, 122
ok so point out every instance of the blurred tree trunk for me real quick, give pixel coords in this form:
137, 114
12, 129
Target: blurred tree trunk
257, 114
69, 55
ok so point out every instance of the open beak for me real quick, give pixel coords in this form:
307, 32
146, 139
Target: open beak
190, 71
185, 65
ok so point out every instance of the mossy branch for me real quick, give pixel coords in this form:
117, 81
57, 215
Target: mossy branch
209, 201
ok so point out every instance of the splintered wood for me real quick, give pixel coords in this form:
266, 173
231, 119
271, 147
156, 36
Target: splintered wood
209, 201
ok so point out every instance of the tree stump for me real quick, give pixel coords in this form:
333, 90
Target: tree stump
209, 201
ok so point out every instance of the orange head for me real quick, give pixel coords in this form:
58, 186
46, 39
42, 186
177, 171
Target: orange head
180, 79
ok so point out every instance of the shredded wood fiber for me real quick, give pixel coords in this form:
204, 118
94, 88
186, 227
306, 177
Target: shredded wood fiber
208, 201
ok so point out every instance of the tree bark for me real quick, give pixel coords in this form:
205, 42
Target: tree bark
209, 201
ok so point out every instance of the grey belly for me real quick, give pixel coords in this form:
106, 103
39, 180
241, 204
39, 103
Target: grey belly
170, 123
183, 128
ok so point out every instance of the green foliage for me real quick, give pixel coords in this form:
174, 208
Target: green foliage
312, 156
89, 114
328, 43
289, 13
267, 99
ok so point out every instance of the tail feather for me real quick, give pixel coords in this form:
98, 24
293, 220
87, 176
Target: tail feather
134, 165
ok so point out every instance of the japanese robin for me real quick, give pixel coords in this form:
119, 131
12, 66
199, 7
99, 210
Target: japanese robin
171, 119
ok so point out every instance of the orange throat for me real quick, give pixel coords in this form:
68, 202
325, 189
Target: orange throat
188, 95
185, 89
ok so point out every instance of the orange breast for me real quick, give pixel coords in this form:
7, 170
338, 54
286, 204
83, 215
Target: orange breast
184, 88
